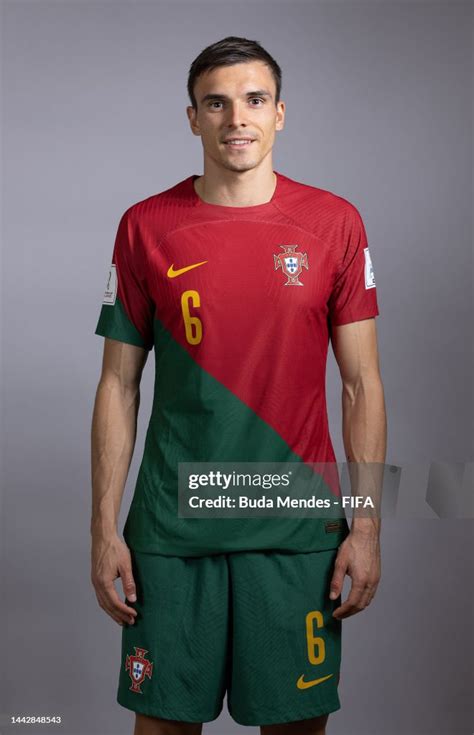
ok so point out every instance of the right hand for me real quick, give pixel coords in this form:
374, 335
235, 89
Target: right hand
110, 558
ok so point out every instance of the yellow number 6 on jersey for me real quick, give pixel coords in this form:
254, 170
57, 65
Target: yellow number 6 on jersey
193, 336
313, 640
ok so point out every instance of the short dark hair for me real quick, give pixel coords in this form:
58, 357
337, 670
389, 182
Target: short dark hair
228, 51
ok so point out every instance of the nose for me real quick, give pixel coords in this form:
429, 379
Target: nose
235, 115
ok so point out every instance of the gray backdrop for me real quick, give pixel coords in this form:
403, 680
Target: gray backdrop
379, 110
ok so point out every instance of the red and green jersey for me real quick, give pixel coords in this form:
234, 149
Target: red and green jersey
238, 304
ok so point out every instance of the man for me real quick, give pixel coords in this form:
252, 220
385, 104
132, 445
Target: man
238, 279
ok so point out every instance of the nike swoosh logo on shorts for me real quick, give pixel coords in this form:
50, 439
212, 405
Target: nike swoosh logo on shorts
302, 684
172, 273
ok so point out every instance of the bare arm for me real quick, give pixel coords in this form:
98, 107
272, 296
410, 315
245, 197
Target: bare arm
113, 435
365, 440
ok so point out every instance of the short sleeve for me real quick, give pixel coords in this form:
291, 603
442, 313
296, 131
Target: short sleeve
127, 310
354, 295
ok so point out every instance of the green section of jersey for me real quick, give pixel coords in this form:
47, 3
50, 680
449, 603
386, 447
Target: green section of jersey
226, 430
115, 324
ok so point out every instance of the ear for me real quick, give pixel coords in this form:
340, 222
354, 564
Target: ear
280, 118
192, 117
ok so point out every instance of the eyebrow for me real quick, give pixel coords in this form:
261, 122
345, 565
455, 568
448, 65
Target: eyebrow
217, 96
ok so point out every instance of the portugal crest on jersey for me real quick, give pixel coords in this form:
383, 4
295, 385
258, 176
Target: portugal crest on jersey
291, 263
138, 667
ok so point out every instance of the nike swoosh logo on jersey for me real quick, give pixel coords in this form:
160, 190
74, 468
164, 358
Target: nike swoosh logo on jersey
302, 684
172, 273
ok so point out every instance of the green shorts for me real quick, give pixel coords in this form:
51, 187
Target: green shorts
258, 625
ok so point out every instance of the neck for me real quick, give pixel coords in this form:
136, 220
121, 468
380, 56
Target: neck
236, 188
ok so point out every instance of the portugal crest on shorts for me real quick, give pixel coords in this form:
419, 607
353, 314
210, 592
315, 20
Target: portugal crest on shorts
138, 667
291, 263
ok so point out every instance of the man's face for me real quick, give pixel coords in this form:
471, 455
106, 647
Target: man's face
236, 102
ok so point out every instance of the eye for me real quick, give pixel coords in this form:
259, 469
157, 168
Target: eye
214, 102
256, 98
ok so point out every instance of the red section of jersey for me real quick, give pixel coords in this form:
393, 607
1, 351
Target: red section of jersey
251, 294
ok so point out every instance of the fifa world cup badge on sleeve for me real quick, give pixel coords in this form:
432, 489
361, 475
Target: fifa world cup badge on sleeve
368, 270
111, 288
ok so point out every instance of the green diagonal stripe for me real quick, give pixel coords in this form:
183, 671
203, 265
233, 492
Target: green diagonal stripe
195, 418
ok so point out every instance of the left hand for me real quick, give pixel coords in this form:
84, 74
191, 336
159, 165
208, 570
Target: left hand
359, 557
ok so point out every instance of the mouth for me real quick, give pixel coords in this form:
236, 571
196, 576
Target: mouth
235, 143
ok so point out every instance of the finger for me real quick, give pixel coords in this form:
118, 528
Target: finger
111, 595
128, 583
345, 611
114, 602
110, 610
352, 604
368, 595
337, 580
120, 619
